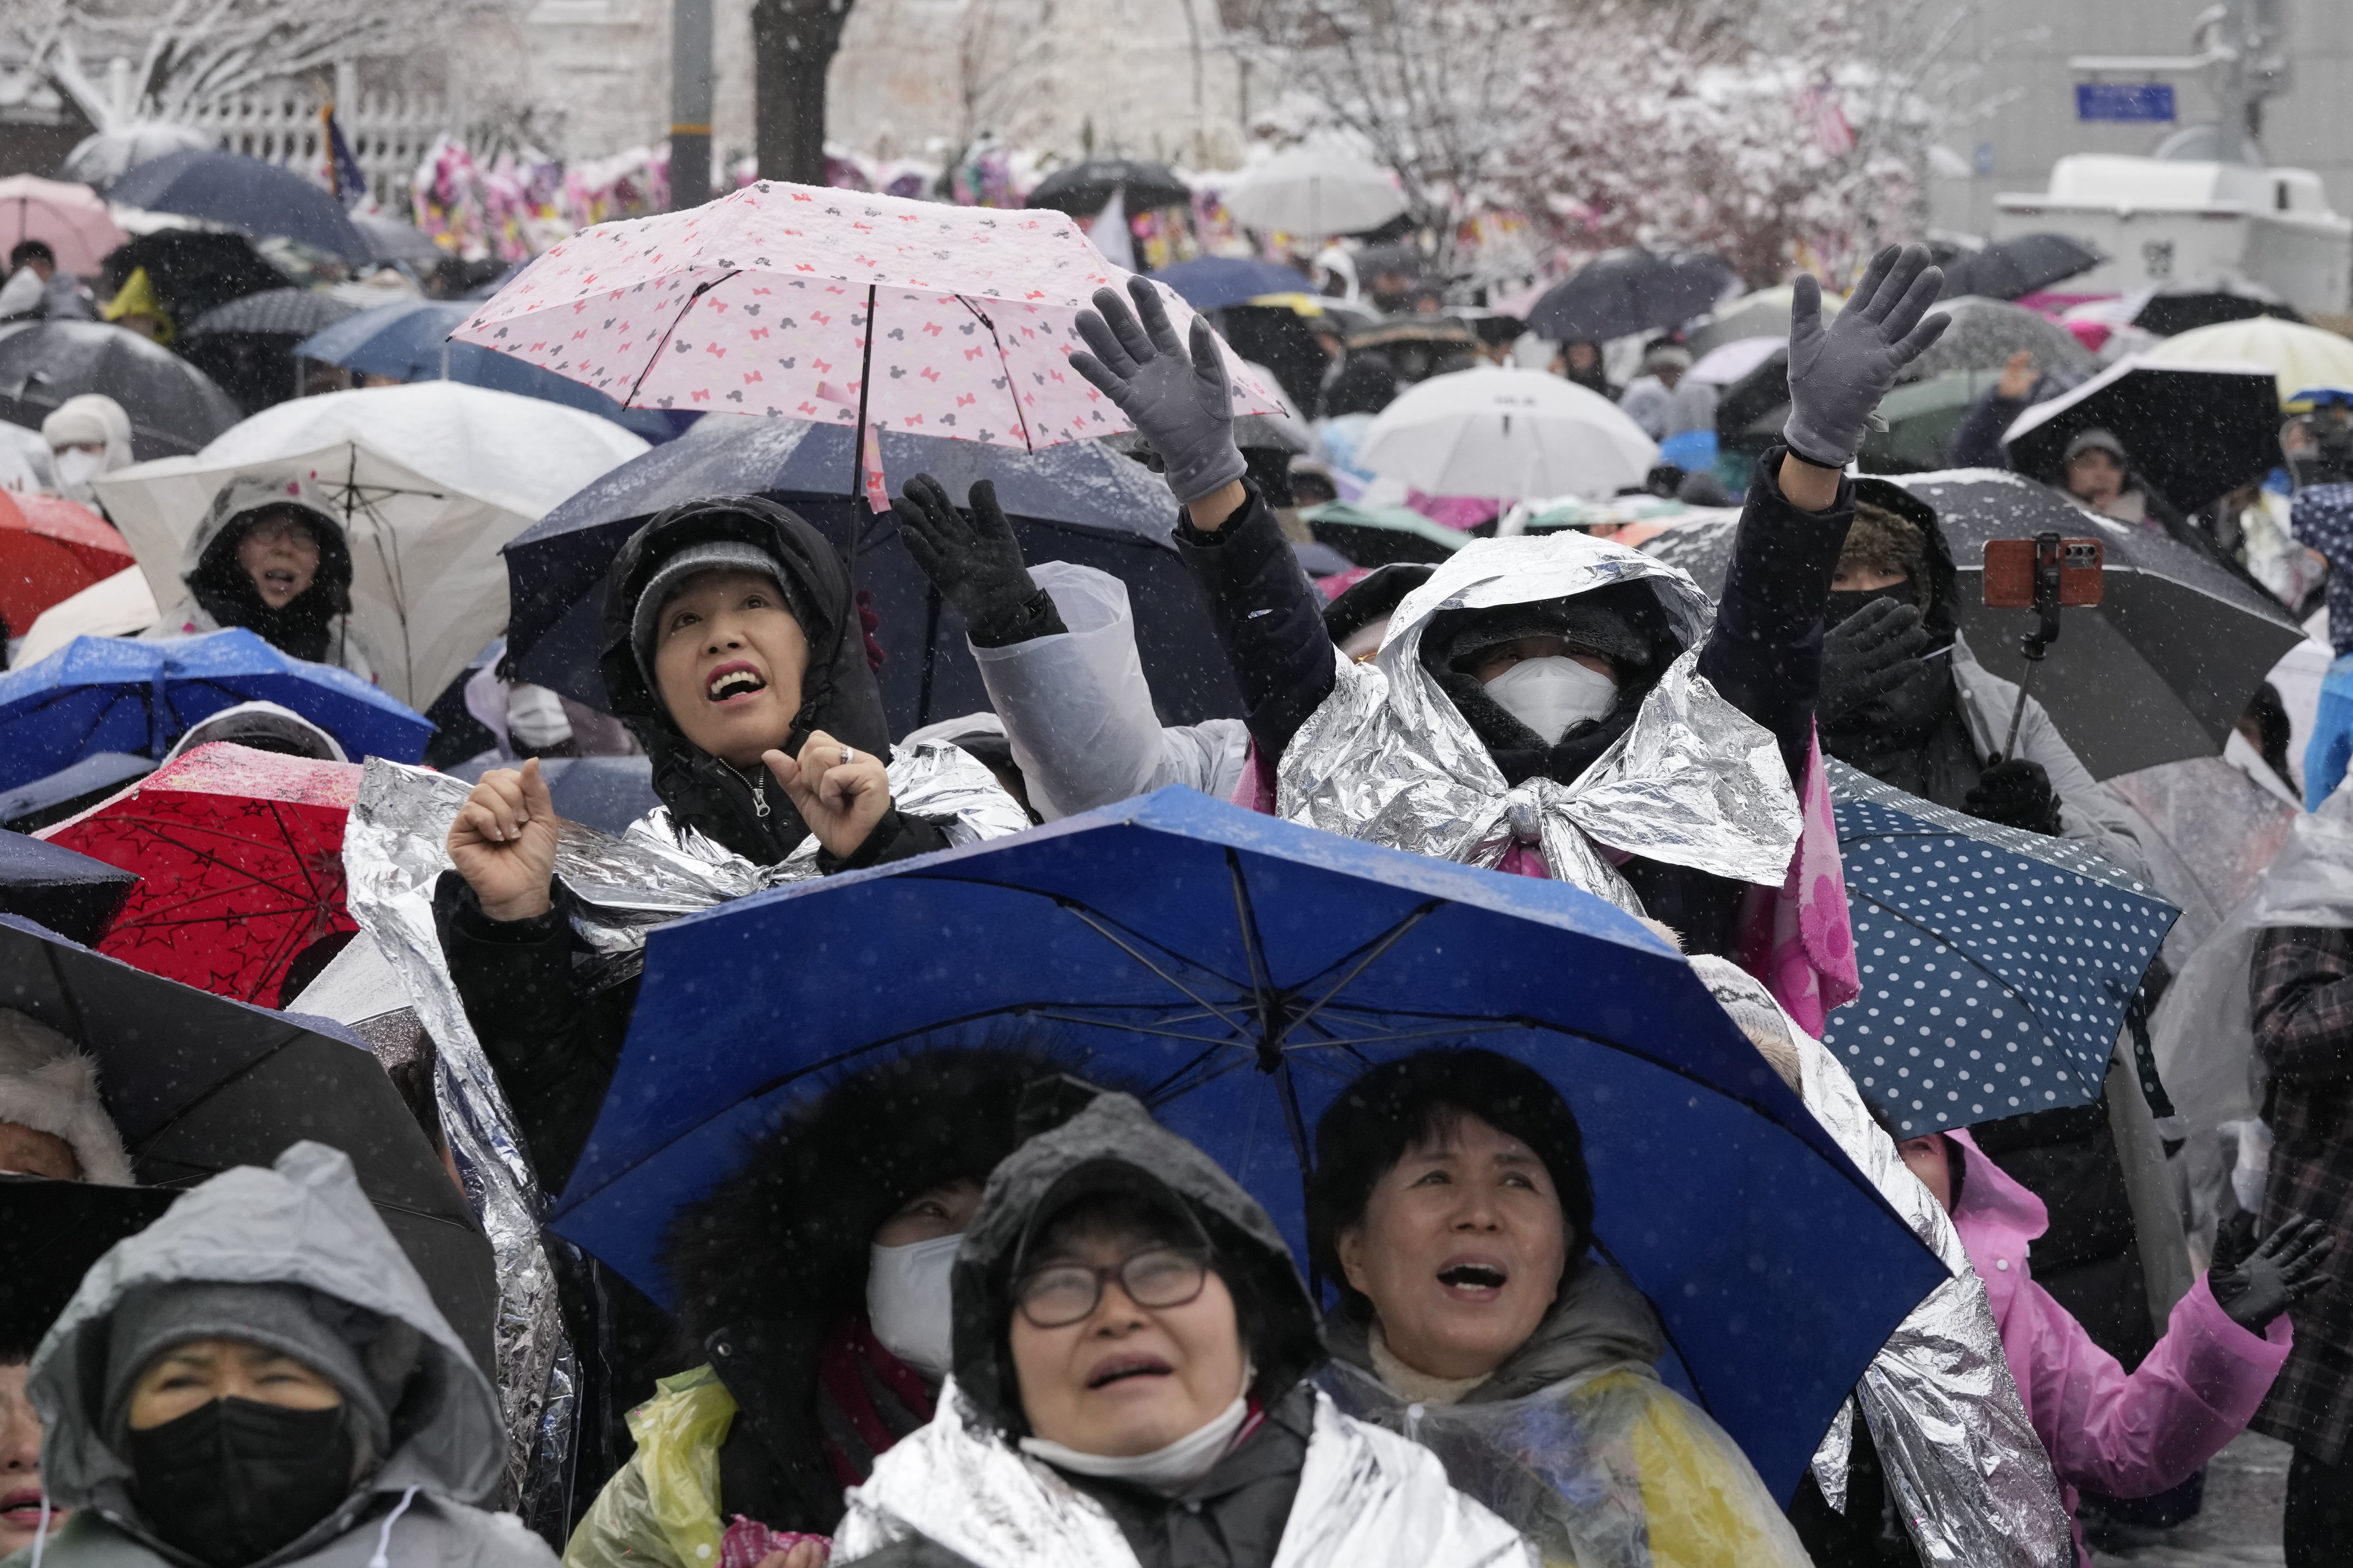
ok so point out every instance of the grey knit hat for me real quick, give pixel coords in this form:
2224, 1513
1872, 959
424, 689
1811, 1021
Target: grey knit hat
715, 555
368, 1357
2095, 440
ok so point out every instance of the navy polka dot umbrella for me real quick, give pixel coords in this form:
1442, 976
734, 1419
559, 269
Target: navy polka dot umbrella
1996, 964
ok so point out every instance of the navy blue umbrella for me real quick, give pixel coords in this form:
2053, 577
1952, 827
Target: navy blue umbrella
1213, 282
112, 694
243, 192
1996, 964
1242, 970
50, 885
408, 341
1632, 290
1080, 501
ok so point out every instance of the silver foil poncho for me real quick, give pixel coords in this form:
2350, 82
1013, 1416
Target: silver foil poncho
1962, 1462
655, 872
1695, 782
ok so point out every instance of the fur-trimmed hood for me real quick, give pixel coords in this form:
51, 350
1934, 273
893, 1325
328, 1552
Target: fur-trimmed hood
51, 1085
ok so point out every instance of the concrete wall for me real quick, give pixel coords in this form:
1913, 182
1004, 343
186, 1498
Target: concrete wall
2025, 45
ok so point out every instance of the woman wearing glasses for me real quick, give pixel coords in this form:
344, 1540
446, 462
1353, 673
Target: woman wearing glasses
1130, 1343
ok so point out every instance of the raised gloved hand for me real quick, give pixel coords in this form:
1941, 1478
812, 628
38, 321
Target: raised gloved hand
1867, 656
1838, 372
2016, 793
1181, 402
2284, 1268
976, 565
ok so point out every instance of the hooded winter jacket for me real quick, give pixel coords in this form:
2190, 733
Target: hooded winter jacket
771, 1272
302, 1222
1303, 1487
1576, 1442
316, 625
1762, 655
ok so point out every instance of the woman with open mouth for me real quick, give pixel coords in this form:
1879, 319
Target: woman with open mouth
270, 558
1452, 1202
1130, 1345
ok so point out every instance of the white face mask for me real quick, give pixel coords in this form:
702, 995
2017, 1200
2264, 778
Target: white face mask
1548, 695
907, 1302
74, 468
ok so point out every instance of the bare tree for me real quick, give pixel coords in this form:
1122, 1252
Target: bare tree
794, 43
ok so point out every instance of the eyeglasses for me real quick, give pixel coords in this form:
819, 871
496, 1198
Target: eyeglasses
1062, 1294
281, 531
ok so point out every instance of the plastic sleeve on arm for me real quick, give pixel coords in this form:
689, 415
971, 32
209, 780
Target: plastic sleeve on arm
1267, 617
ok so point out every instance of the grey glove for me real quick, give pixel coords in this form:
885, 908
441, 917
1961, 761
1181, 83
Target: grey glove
1182, 404
1839, 373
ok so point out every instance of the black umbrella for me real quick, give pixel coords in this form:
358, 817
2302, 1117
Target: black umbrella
1632, 290
2159, 672
2008, 268
2196, 432
197, 1083
1080, 502
279, 312
50, 1233
243, 192
194, 270
174, 407
53, 887
1082, 189
2184, 309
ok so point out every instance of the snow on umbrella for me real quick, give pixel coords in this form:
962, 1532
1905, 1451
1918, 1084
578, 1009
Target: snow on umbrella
1985, 332
109, 694
240, 861
1996, 964
1764, 313
51, 550
65, 216
2197, 432
1245, 969
2299, 357
101, 158
1507, 434
2159, 672
243, 192
281, 313
174, 407
71, 894
197, 1084
428, 483
1314, 191
1632, 290
761, 303
1079, 503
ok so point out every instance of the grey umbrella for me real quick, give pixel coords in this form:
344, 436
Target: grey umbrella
2159, 672
281, 312
1985, 332
174, 407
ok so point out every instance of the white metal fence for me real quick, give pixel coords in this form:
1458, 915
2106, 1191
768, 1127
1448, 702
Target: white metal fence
388, 134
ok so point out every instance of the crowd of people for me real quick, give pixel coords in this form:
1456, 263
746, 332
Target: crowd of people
970, 1303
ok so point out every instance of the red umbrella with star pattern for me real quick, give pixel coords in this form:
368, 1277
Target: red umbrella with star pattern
239, 855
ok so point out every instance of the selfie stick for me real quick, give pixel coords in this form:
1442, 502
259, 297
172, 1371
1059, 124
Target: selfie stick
2037, 643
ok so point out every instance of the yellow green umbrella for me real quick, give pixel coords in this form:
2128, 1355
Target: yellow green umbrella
2301, 357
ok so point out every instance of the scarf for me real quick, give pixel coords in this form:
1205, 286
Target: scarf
867, 1399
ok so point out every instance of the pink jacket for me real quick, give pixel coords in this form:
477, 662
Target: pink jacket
2125, 1434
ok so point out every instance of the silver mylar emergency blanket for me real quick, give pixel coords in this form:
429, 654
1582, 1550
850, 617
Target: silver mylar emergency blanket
1968, 1474
1695, 782
393, 855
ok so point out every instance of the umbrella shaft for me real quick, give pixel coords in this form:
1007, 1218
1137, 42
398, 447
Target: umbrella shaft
2009, 744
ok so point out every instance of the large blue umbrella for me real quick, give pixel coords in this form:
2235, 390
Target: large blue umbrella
1080, 501
243, 192
1239, 971
408, 341
1996, 964
112, 694
1213, 282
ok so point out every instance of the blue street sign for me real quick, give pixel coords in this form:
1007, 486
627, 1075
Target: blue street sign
2141, 101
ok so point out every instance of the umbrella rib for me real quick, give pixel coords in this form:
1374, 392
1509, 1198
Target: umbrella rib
1389, 940
1026, 444
200, 1102
1134, 1028
1087, 918
699, 290
1262, 985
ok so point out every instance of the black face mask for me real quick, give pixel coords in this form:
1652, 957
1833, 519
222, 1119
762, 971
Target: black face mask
232, 1481
1845, 602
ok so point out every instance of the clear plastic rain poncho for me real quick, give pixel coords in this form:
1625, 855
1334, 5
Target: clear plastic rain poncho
1695, 782
393, 855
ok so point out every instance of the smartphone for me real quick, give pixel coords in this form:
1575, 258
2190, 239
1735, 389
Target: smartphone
2010, 566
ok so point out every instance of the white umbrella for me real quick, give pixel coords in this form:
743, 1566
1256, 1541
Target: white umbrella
1316, 191
1728, 362
1505, 433
429, 480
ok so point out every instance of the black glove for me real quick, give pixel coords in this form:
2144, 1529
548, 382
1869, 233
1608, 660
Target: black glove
2283, 1270
2017, 794
1867, 656
976, 565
